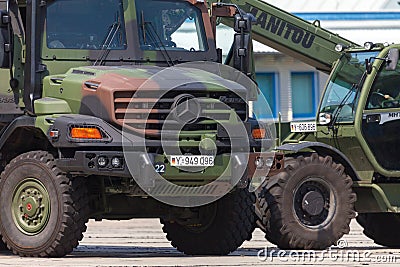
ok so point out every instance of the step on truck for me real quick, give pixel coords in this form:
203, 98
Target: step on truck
104, 114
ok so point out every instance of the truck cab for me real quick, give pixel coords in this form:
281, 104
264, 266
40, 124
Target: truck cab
134, 32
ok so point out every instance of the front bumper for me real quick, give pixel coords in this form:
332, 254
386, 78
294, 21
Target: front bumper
140, 165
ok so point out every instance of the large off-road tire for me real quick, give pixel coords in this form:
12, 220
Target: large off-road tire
263, 216
43, 211
2, 245
307, 206
223, 226
383, 228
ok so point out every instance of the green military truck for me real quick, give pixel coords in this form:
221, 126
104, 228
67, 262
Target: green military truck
99, 121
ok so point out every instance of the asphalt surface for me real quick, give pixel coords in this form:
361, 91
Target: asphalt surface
142, 243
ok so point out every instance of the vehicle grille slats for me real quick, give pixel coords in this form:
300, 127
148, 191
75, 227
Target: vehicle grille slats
145, 113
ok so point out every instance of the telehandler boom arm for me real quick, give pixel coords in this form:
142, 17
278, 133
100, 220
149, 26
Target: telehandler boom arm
290, 34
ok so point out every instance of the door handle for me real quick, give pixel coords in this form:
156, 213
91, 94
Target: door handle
373, 118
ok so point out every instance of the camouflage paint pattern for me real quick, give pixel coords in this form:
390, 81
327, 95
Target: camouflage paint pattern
92, 90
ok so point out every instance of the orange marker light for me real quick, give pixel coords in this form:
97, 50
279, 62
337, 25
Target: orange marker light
258, 133
86, 133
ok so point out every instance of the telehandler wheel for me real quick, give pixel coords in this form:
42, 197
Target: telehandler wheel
220, 227
43, 211
263, 219
383, 228
307, 206
2, 245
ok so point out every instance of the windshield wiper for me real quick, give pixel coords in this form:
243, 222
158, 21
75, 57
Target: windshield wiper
340, 106
356, 87
332, 125
105, 46
156, 39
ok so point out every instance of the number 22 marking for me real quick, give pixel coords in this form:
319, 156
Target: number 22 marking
160, 168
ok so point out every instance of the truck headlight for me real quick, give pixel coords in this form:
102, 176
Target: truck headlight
116, 162
102, 161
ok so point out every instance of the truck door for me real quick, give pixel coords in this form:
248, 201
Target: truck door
381, 118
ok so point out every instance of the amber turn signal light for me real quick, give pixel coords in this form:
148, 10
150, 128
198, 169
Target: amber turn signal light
86, 133
258, 133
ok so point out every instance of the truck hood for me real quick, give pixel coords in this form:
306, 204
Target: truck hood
107, 92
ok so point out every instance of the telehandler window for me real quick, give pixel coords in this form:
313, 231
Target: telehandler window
343, 89
385, 92
170, 25
85, 24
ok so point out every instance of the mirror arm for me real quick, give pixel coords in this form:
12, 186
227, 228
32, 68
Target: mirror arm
368, 66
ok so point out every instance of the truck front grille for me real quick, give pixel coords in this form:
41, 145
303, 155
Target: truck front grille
146, 113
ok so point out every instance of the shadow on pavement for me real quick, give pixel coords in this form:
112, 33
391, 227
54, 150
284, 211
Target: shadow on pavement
105, 251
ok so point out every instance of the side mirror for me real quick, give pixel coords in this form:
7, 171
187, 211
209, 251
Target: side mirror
392, 59
5, 45
325, 118
242, 42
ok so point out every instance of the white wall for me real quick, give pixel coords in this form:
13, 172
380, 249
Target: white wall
283, 66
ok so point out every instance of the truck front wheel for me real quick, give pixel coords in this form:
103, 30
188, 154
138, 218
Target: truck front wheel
43, 211
383, 228
309, 205
219, 228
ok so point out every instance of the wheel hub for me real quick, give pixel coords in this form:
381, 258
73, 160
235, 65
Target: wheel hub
313, 203
31, 206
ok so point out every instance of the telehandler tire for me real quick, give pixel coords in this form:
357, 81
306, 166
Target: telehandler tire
223, 226
43, 211
383, 228
307, 206
263, 219
2, 245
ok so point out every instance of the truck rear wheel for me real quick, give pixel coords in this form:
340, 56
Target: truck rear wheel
221, 227
307, 206
383, 228
43, 211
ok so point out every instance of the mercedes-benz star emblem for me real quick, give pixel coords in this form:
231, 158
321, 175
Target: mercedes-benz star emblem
186, 109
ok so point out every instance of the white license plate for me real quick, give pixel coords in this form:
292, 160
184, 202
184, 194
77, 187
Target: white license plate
192, 161
303, 127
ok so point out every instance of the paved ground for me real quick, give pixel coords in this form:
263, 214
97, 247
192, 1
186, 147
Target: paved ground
142, 243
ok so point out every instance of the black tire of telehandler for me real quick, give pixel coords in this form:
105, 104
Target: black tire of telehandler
278, 214
2, 245
233, 223
383, 228
263, 218
68, 202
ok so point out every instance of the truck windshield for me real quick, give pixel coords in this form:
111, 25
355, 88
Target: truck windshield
85, 24
170, 25
343, 86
